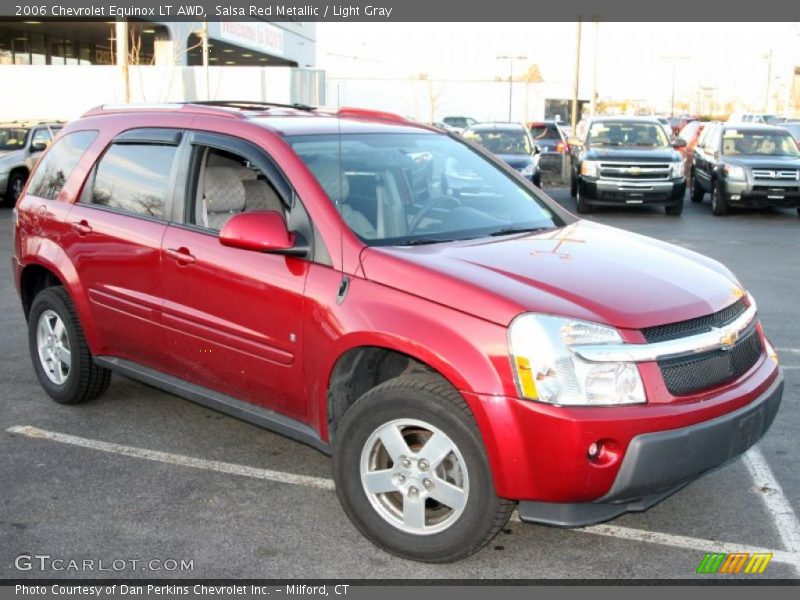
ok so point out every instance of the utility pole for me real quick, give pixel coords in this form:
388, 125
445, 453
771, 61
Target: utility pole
204, 35
674, 60
594, 65
576, 81
511, 60
768, 57
121, 31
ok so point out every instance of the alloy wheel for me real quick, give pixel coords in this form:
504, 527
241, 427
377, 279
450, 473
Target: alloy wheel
53, 345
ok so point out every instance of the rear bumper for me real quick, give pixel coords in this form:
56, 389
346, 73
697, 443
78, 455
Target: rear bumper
658, 464
617, 192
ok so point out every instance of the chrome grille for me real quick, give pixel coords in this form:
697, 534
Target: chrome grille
779, 174
635, 171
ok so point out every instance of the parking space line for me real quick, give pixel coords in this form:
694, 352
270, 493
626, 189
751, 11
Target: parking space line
775, 501
778, 505
175, 459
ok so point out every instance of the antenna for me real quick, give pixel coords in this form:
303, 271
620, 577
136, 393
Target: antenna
343, 286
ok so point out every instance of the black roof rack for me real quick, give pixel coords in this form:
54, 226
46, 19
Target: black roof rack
251, 104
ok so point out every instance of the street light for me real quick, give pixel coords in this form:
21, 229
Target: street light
511, 60
674, 60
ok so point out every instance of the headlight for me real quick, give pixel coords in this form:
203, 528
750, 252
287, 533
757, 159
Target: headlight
678, 170
527, 171
589, 168
548, 371
734, 171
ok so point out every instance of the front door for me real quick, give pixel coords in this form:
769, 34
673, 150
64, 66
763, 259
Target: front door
234, 315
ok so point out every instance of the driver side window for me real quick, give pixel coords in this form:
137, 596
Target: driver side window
227, 184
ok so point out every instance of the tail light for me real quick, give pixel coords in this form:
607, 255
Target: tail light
562, 147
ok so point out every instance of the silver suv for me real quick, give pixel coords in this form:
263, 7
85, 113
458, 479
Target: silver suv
21, 145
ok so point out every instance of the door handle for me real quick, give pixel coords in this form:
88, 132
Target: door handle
82, 227
181, 255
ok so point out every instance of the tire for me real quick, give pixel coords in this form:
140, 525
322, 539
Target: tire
409, 408
674, 210
78, 379
719, 204
14, 188
573, 186
697, 191
798, 211
584, 207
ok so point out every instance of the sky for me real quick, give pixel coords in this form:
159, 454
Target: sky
631, 63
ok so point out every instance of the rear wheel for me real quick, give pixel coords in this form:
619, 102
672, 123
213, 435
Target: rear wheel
697, 191
60, 355
719, 203
412, 474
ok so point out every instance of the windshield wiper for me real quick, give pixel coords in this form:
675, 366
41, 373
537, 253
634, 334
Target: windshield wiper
424, 241
513, 230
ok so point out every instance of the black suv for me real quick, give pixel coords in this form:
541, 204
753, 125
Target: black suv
627, 161
746, 165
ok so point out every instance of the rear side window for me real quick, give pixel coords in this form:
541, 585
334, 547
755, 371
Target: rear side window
134, 178
545, 131
58, 164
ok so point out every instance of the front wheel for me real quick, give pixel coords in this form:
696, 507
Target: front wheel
583, 206
412, 474
719, 203
674, 210
697, 191
16, 183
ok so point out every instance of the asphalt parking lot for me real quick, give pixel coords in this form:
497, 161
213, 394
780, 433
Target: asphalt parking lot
142, 475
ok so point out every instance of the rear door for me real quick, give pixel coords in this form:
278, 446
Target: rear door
704, 156
114, 241
234, 315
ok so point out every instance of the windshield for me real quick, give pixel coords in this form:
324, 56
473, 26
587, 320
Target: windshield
627, 133
417, 188
501, 142
759, 143
12, 138
459, 122
545, 131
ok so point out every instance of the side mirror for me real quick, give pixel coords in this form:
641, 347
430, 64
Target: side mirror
38, 146
537, 149
262, 231
679, 143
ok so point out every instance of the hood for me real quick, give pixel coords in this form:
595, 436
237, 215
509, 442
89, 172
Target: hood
765, 162
516, 161
585, 271
639, 154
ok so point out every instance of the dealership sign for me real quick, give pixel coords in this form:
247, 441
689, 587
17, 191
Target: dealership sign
261, 37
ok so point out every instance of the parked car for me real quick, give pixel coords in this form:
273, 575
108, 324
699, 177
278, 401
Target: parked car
680, 122
627, 161
274, 264
21, 145
756, 118
552, 143
665, 123
690, 134
512, 144
746, 166
793, 127
459, 123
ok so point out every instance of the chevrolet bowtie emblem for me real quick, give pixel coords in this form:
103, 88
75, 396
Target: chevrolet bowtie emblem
728, 339
634, 169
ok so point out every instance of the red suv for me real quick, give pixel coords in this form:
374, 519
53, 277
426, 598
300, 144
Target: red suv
459, 350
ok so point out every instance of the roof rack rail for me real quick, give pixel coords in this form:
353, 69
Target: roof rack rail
349, 111
245, 104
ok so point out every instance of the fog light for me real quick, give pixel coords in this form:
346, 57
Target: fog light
594, 450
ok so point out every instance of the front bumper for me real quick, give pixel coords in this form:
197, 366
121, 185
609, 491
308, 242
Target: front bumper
658, 464
759, 194
616, 192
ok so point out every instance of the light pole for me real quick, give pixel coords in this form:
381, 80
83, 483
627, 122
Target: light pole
576, 80
511, 60
594, 65
768, 58
674, 60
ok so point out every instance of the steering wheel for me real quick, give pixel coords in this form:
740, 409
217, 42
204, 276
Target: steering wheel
432, 203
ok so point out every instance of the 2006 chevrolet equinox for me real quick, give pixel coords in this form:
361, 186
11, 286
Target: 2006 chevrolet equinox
396, 297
